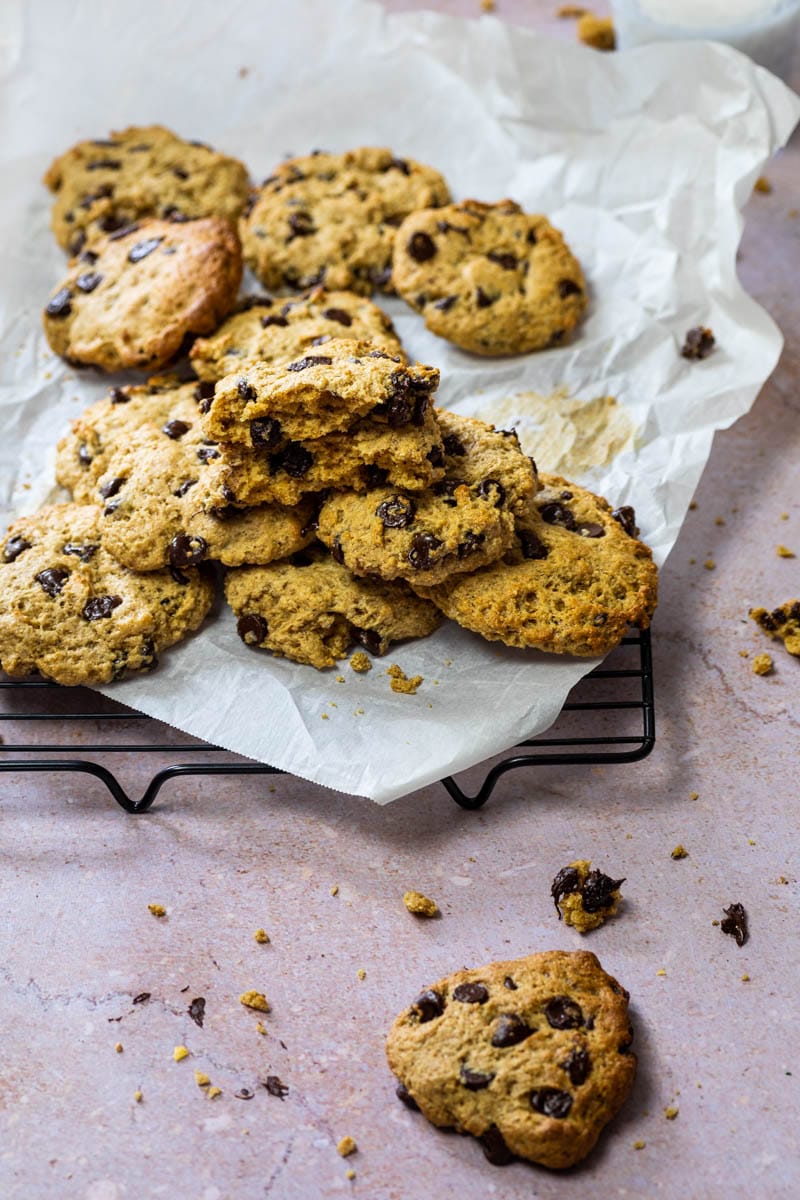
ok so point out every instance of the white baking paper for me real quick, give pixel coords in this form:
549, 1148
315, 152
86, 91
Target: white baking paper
644, 159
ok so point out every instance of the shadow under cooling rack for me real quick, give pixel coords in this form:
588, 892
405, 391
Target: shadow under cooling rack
608, 718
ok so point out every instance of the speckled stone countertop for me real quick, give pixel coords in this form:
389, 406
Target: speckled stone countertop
716, 1025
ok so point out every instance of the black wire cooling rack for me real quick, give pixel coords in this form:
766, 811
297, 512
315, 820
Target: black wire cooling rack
608, 718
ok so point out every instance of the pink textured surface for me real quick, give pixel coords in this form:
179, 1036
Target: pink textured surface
225, 857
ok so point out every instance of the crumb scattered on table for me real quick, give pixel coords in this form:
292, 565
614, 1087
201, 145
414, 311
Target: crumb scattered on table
597, 32
585, 898
762, 185
201, 1079
784, 516
350, 1173
179, 1053
679, 852
214, 1091
360, 662
639, 1145
335, 890
571, 11
745, 978
346, 1147
261, 1028
661, 971
261, 936
420, 905
699, 343
762, 664
138, 1097
255, 1000
785, 552
710, 565
325, 716
782, 624
157, 910
735, 923
119, 1047
694, 795
402, 682
362, 974
671, 1112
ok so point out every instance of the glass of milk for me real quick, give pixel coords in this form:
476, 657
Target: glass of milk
767, 30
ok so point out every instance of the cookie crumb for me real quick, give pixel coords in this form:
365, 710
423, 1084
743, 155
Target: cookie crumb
744, 654
784, 516
699, 343
762, 185
745, 978
261, 1028
261, 936
420, 905
762, 664
661, 971
361, 973
710, 565
346, 1147
201, 1079
340, 678
585, 898
179, 1053
781, 624
360, 662
488, 5
639, 1145
402, 682
255, 1000
350, 1173
325, 716
157, 910
597, 32
694, 795
335, 890
671, 1112
571, 11
785, 552
719, 520
119, 1047
138, 1097
679, 852
692, 506
214, 1091
794, 213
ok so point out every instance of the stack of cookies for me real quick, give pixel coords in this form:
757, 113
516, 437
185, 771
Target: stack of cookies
296, 445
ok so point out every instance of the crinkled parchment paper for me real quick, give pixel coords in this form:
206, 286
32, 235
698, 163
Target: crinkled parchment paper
644, 159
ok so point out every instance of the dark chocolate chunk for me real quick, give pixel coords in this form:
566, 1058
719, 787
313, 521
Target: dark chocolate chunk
207, 453
577, 1065
555, 513
421, 247
735, 923
475, 1081
294, 459
187, 550
104, 164
265, 432
508, 982
471, 543
14, 547
565, 883
337, 553
204, 394
141, 998
100, 606
423, 546
116, 229
244, 1094
171, 212
396, 512
339, 315
699, 343
627, 519
60, 305
568, 287
403, 1094
495, 1148
197, 1010
531, 545
179, 173
428, 1004
77, 243
184, 487
551, 1102
597, 890
482, 300
491, 489
370, 639
445, 304
310, 360
85, 457
563, 1013
301, 224
141, 250
267, 321
52, 580
399, 164
435, 456
111, 487
175, 429
118, 395
245, 390
507, 261
471, 993
510, 1030
252, 629
88, 281
453, 446
591, 529
275, 1088
375, 476
85, 551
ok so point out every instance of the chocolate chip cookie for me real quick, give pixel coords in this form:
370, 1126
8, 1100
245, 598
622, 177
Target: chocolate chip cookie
71, 612
459, 524
101, 186
782, 624
267, 329
531, 1056
324, 392
312, 610
573, 580
489, 277
135, 296
331, 219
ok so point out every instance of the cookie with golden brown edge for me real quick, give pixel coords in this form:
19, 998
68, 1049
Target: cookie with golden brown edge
573, 580
312, 610
460, 523
271, 329
489, 277
324, 392
145, 171
71, 612
331, 219
135, 296
531, 1056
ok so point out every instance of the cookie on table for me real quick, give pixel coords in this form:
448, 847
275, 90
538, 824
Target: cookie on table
585, 898
101, 186
312, 610
71, 612
489, 277
572, 582
270, 329
135, 297
331, 219
782, 624
323, 392
531, 1056
157, 509
458, 524
368, 454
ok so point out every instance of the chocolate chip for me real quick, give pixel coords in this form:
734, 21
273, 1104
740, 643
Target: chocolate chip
475, 1081
245, 390
435, 456
100, 606
471, 543
382, 354
85, 457
510, 1030
446, 227
275, 1088
52, 580
531, 238
446, 303
495, 1148
197, 1010
591, 529
175, 429
77, 243
423, 546
566, 495
399, 164
184, 487
267, 321
471, 993
295, 460
568, 287
14, 547
310, 360
115, 230
699, 343
89, 257
491, 489
565, 883
421, 247
597, 890
118, 395
735, 923
577, 1065
551, 1102
555, 513
403, 1094
482, 300
508, 982
563, 1013
252, 629
207, 453
112, 507
428, 1004
507, 261
627, 519
375, 476
88, 281
453, 446
171, 212
187, 550
60, 305
111, 486
337, 553
84, 551
531, 545
396, 512
321, 340
204, 394
370, 639
338, 314
141, 998
141, 249
301, 225
394, 220
265, 432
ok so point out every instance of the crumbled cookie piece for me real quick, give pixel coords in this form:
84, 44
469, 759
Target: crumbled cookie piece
710, 565
179, 1053
699, 343
261, 936
360, 662
138, 1097
762, 664
335, 890
571, 11
785, 552
735, 923
762, 185
597, 32
119, 1047
403, 683
157, 910
782, 624
420, 905
201, 1079
671, 1112
679, 852
639, 1145
361, 973
585, 898
255, 1000
213, 1092
275, 1087
346, 1146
